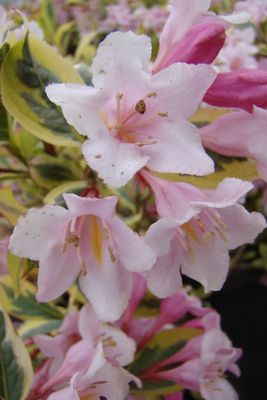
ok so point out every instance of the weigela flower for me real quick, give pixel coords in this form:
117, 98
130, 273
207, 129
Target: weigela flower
192, 34
239, 50
212, 354
85, 359
240, 134
133, 118
198, 229
242, 88
87, 241
258, 9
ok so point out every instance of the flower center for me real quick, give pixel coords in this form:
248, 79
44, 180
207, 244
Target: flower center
122, 124
202, 228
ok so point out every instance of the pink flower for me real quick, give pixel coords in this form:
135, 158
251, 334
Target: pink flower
240, 134
133, 118
258, 9
243, 88
198, 229
212, 355
172, 309
87, 241
192, 34
92, 352
239, 50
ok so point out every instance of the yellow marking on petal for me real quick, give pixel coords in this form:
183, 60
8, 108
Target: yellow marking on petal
190, 231
96, 238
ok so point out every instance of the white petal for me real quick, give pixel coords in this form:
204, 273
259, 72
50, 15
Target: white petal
121, 64
80, 105
40, 229
115, 162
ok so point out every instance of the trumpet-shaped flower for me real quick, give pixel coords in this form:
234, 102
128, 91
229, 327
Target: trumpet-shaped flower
192, 34
240, 134
134, 118
87, 241
199, 228
243, 88
86, 358
211, 356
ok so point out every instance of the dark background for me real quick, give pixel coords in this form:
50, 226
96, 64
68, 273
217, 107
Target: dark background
242, 304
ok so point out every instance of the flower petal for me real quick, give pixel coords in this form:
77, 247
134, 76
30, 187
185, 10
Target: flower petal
121, 59
32, 236
134, 254
115, 162
57, 272
243, 227
207, 263
105, 283
80, 105
180, 88
219, 389
177, 149
164, 279
103, 208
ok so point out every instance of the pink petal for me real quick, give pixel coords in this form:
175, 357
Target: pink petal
103, 208
80, 105
243, 227
243, 88
180, 88
207, 263
107, 286
183, 15
164, 279
201, 44
219, 389
133, 253
239, 134
32, 236
121, 64
115, 162
177, 149
57, 272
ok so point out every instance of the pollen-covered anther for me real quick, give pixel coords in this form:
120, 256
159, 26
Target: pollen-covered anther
73, 239
111, 254
163, 114
83, 269
152, 94
146, 143
140, 107
109, 341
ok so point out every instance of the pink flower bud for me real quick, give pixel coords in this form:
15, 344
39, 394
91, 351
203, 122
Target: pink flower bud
239, 89
201, 44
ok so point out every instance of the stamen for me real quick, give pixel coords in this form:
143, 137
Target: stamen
119, 96
162, 114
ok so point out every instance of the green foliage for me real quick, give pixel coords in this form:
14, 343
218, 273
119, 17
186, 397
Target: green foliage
28, 68
15, 365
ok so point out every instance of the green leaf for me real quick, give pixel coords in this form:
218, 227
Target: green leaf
28, 68
153, 389
161, 347
10, 208
14, 264
242, 169
55, 196
35, 327
50, 171
15, 365
24, 306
